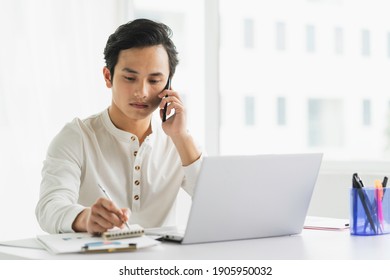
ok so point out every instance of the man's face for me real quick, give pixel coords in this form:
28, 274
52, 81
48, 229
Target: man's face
139, 76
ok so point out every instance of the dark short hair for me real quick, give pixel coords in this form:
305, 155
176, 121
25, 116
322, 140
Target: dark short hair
140, 33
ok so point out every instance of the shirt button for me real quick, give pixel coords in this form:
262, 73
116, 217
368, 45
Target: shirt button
137, 167
136, 182
135, 153
136, 197
132, 138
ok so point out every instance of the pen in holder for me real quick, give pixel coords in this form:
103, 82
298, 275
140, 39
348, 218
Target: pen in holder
370, 211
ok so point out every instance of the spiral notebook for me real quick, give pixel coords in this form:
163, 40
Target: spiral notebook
135, 230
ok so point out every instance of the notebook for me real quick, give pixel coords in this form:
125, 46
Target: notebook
134, 230
83, 242
244, 197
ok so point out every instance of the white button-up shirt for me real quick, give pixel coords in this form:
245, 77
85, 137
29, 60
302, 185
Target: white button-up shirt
93, 151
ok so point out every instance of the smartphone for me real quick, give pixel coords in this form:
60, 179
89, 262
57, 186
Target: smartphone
168, 86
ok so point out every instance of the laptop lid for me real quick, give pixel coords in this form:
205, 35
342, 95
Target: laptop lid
242, 197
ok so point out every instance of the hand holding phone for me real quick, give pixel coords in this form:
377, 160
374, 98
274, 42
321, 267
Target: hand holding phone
168, 86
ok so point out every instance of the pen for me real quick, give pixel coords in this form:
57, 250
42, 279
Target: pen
108, 196
378, 198
108, 247
384, 183
358, 184
355, 203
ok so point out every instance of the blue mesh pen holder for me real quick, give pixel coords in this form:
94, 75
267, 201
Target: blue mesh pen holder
370, 211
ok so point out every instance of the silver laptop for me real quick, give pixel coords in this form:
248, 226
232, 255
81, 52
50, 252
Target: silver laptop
243, 197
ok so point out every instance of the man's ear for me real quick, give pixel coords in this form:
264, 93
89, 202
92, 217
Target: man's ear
107, 77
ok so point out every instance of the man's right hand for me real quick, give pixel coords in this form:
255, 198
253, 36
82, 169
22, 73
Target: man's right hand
100, 217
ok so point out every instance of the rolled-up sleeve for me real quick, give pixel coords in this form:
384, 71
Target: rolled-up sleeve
191, 173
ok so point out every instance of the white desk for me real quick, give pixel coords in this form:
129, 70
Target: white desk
311, 244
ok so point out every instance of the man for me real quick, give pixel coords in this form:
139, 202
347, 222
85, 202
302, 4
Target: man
141, 161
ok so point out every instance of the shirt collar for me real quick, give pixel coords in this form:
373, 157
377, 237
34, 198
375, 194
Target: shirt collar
126, 136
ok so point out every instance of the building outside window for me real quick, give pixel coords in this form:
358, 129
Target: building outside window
281, 111
366, 43
310, 39
280, 36
339, 40
249, 33
366, 112
249, 110
324, 93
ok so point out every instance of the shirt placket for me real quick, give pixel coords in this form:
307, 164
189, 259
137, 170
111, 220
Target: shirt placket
136, 172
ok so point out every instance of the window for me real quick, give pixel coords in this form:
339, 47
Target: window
310, 39
322, 107
249, 110
388, 44
280, 36
325, 118
3, 114
366, 112
281, 111
249, 41
365, 43
338, 40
